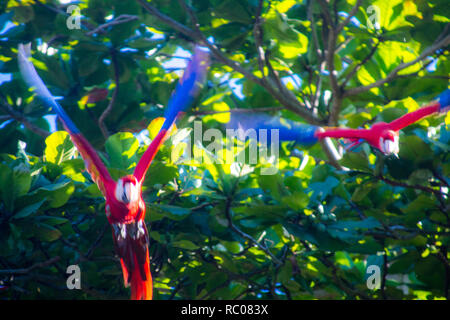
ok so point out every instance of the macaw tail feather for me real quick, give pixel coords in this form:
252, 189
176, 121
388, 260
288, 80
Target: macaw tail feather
131, 244
141, 287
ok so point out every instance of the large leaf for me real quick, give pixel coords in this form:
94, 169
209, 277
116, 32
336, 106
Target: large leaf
59, 147
121, 148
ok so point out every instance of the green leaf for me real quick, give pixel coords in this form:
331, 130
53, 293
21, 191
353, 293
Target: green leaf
57, 194
184, 244
121, 148
415, 149
416, 210
323, 189
172, 212
46, 232
233, 10
273, 183
160, 173
297, 201
52, 221
59, 147
25, 212
368, 223
356, 160
14, 183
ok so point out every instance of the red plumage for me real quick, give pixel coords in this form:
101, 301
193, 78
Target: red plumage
382, 135
125, 207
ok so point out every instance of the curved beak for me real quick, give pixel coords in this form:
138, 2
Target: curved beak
389, 146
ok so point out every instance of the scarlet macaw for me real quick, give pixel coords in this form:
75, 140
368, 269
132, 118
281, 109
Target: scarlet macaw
381, 135
125, 208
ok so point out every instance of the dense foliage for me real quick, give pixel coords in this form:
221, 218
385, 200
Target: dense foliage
221, 230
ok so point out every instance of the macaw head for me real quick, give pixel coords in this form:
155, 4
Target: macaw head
388, 142
124, 201
127, 190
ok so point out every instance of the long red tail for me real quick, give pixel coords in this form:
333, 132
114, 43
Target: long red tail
131, 244
141, 289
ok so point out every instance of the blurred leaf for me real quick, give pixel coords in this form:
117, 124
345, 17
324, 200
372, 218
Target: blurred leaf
59, 147
121, 148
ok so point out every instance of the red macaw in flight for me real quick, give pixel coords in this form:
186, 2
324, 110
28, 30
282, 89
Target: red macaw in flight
125, 208
381, 135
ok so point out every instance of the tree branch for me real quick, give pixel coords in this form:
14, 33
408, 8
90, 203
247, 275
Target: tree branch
425, 53
331, 48
245, 235
20, 117
352, 13
258, 36
238, 110
196, 35
31, 268
360, 64
123, 18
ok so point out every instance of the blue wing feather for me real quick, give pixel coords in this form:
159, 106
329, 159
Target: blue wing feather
33, 80
187, 89
288, 130
444, 101
188, 86
94, 165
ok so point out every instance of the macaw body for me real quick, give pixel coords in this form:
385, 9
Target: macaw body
125, 207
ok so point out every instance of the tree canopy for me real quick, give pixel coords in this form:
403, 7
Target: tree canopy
222, 230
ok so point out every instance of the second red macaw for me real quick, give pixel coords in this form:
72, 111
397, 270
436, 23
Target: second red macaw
381, 135
125, 207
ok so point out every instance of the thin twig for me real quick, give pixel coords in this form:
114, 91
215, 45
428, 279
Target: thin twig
360, 64
20, 117
245, 235
352, 13
37, 265
108, 109
330, 52
258, 36
123, 18
425, 53
385, 272
238, 110
292, 104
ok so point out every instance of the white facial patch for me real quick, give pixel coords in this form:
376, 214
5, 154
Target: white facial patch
127, 192
389, 146
131, 192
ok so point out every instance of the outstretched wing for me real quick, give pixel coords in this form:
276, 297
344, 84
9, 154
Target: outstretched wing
444, 101
441, 105
183, 96
412, 117
346, 133
94, 165
263, 128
